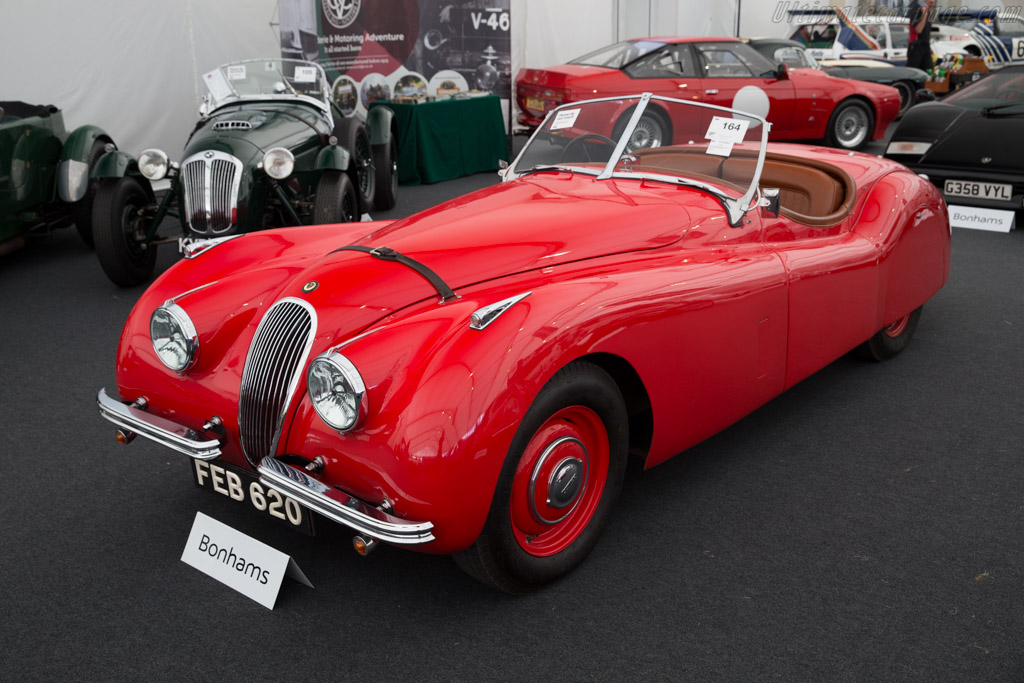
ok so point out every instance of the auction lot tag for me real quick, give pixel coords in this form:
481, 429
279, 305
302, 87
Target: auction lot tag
976, 218
305, 74
725, 129
252, 568
236, 72
217, 84
565, 119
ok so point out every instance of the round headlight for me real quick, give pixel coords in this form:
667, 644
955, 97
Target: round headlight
153, 164
337, 391
174, 337
278, 163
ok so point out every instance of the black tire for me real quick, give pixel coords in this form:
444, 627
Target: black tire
119, 232
892, 339
352, 136
81, 211
907, 93
581, 403
850, 125
336, 199
385, 163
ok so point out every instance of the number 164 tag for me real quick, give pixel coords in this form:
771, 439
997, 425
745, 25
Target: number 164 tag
724, 129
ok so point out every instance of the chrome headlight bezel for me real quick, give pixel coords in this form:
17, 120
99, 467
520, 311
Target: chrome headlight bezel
154, 164
342, 373
278, 163
172, 314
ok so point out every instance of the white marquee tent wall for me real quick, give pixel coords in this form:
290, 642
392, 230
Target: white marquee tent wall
133, 67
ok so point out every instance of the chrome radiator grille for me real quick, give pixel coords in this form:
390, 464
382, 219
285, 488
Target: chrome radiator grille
209, 184
272, 371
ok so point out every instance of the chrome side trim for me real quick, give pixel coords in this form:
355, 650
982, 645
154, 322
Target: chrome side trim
482, 317
341, 507
153, 427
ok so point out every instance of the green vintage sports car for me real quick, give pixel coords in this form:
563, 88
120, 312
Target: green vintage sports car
44, 172
271, 149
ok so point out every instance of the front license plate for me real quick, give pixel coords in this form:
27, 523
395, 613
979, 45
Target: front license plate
245, 487
967, 188
535, 103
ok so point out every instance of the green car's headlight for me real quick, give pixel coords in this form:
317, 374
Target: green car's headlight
278, 163
337, 391
174, 337
153, 164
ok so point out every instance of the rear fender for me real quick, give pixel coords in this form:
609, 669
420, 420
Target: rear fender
379, 124
905, 217
73, 172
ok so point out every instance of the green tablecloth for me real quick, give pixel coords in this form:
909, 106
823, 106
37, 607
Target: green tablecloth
448, 139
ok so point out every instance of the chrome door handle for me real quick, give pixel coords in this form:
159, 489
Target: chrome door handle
713, 91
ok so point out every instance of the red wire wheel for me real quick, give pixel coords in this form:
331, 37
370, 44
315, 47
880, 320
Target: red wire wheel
558, 484
559, 481
897, 328
891, 339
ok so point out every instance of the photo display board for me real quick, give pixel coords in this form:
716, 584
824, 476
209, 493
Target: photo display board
402, 49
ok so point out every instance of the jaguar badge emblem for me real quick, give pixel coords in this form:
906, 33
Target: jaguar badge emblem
310, 286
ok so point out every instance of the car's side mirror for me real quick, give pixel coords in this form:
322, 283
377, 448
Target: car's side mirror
782, 72
502, 168
924, 95
204, 105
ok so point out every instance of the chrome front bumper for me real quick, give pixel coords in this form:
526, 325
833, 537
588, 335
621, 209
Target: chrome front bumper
163, 431
341, 507
333, 504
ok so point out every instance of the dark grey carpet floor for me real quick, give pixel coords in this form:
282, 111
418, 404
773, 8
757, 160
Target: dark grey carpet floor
866, 526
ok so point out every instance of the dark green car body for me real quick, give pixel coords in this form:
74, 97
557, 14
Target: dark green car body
221, 188
44, 172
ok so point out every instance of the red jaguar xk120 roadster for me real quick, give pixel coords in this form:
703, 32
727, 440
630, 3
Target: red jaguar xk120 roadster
470, 380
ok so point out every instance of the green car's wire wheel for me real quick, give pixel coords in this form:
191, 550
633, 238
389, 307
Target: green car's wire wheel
119, 231
336, 200
385, 162
352, 136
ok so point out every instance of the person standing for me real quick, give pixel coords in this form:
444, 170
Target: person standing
919, 51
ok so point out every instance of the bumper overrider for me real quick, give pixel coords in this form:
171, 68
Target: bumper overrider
332, 503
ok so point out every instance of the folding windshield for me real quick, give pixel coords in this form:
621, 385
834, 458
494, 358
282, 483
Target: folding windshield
618, 55
263, 79
716, 149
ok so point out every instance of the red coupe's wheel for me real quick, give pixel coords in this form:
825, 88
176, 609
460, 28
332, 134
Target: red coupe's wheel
557, 486
559, 481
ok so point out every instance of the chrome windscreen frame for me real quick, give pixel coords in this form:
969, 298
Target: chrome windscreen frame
736, 207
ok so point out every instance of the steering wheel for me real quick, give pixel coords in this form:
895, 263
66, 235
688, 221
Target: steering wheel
581, 142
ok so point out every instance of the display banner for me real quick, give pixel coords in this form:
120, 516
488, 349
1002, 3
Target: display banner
408, 50
252, 568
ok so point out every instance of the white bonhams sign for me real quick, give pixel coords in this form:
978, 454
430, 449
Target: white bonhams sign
239, 561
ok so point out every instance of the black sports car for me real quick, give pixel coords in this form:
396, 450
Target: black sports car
971, 144
906, 79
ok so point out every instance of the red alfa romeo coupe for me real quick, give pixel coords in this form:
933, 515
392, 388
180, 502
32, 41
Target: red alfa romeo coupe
471, 379
801, 104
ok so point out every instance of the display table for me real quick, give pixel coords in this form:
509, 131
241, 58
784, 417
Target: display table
448, 138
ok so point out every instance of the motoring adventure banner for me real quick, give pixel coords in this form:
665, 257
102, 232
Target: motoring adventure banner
382, 49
